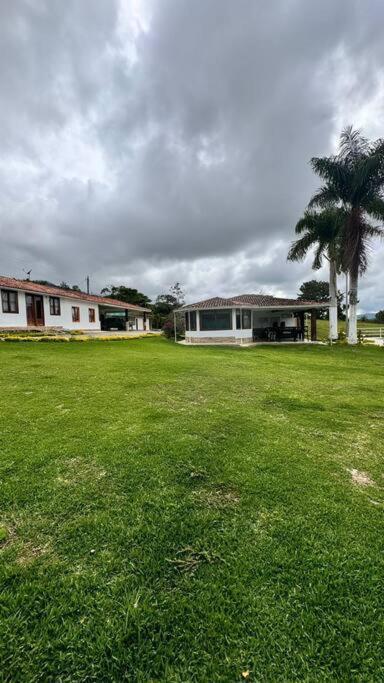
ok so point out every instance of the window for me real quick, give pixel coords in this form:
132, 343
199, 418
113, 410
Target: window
92, 315
54, 305
75, 314
9, 301
190, 321
216, 320
245, 323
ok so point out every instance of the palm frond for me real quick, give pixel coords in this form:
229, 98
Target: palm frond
319, 253
353, 145
375, 208
299, 249
337, 175
324, 197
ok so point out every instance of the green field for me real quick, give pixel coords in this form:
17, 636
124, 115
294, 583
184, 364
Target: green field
182, 514
369, 328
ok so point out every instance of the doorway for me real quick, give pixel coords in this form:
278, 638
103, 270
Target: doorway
35, 310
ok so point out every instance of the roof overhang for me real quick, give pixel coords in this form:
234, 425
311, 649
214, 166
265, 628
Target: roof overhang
289, 307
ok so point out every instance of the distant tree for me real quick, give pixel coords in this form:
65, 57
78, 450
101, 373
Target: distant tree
177, 292
46, 283
127, 294
318, 290
354, 180
379, 317
165, 304
65, 285
321, 231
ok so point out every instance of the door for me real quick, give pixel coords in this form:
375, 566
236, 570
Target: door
35, 309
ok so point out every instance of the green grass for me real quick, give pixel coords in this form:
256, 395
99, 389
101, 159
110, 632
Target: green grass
371, 326
182, 514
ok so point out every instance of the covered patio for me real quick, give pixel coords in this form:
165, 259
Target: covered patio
124, 318
251, 318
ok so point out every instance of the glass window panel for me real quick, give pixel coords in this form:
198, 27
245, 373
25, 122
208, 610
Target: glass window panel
192, 321
216, 320
246, 319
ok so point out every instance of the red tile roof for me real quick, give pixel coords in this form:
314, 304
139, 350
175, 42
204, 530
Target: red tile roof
254, 300
33, 287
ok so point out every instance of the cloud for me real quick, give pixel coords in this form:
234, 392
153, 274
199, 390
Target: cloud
153, 142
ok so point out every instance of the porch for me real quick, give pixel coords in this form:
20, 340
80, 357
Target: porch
251, 325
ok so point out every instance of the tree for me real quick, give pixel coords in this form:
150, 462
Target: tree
65, 285
354, 180
46, 283
379, 317
177, 292
318, 290
322, 231
165, 304
127, 294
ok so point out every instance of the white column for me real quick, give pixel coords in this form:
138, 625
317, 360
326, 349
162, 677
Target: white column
197, 321
234, 319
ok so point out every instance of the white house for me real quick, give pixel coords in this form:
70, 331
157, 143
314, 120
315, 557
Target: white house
249, 318
27, 305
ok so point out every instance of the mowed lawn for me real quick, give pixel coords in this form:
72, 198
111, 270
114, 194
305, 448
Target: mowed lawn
189, 514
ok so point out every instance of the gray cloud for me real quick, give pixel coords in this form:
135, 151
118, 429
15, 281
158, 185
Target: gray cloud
148, 143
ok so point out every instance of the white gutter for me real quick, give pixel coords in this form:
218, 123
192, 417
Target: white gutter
290, 307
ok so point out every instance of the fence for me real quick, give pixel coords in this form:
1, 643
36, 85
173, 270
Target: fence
372, 331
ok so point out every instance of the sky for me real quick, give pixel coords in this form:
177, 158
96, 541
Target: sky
145, 142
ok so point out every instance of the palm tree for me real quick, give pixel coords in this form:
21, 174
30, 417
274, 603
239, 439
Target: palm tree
354, 180
322, 231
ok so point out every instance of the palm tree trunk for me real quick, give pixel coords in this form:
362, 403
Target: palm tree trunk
352, 322
333, 331
346, 303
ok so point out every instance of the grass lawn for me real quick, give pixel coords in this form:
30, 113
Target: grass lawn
371, 328
189, 514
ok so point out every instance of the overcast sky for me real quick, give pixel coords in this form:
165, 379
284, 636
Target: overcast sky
144, 142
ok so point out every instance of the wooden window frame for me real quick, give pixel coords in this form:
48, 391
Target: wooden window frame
92, 315
75, 314
7, 308
54, 305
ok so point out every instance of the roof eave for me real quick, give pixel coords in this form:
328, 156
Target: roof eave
296, 307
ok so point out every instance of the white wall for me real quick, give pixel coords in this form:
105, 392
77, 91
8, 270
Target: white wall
14, 319
63, 320
267, 318
136, 322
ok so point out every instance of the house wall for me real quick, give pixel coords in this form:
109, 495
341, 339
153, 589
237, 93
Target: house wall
234, 336
65, 318
139, 318
12, 320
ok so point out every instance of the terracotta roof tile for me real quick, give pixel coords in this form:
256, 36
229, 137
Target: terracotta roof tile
33, 287
254, 300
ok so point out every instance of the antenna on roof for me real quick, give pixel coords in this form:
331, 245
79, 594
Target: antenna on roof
28, 273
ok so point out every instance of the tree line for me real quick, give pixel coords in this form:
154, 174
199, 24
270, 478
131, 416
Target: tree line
337, 223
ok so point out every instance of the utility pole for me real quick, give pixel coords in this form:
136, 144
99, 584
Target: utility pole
87, 281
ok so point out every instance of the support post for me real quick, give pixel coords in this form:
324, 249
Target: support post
313, 326
302, 324
174, 326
